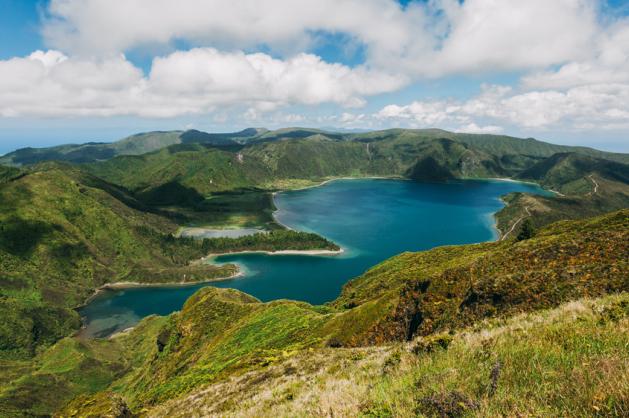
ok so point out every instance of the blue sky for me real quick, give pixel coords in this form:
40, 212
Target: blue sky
98, 70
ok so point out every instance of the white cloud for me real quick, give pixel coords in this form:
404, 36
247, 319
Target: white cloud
607, 63
230, 77
85, 26
195, 81
423, 39
498, 35
473, 128
600, 106
91, 76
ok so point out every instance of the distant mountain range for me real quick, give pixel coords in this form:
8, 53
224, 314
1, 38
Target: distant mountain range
152, 141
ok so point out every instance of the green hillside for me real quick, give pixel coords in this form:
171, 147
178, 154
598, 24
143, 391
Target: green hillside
68, 228
568, 172
305, 154
568, 361
223, 334
588, 186
224, 179
132, 145
93, 151
509, 149
64, 233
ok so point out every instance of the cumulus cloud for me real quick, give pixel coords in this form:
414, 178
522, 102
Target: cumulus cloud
50, 83
473, 128
78, 25
603, 106
422, 39
608, 62
195, 81
497, 35
576, 64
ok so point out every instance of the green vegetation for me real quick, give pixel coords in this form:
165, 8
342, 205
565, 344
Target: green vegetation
73, 367
437, 319
568, 361
568, 172
186, 179
133, 145
271, 241
8, 173
431, 298
527, 230
210, 179
63, 234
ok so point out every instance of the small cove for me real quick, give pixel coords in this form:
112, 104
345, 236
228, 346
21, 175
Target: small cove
372, 219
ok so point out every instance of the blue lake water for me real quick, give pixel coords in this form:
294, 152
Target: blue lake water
371, 219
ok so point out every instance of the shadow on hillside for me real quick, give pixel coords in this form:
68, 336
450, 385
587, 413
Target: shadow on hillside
21, 236
172, 194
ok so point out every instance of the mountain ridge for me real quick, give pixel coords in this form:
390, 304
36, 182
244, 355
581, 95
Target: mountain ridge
141, 143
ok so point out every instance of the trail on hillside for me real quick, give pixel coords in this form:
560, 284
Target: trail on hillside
528, 214
595, 185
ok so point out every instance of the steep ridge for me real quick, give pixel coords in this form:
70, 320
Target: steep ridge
221, 334
190, 175
65, 230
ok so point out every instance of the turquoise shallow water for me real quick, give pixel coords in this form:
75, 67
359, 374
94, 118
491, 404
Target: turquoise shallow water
371, 219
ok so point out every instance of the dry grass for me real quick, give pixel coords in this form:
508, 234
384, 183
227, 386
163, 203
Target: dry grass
572, 360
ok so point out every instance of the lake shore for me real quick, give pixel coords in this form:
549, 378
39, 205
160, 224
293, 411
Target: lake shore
129, 285
279, 252
132, 285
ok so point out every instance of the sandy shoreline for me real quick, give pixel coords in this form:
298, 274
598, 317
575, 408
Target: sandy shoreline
132, 285
279, 252
129, 285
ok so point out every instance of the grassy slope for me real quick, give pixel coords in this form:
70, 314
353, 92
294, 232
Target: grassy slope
185, 179
590, 186
566, 172
63, 234
570, 360
312, 154
191, 170
222, 334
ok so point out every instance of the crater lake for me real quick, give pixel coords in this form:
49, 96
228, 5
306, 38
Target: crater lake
371, 219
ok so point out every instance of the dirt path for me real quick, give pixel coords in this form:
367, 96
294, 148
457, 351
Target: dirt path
528, 213
595, 185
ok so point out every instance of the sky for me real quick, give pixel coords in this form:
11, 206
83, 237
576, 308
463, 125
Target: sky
74, 71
